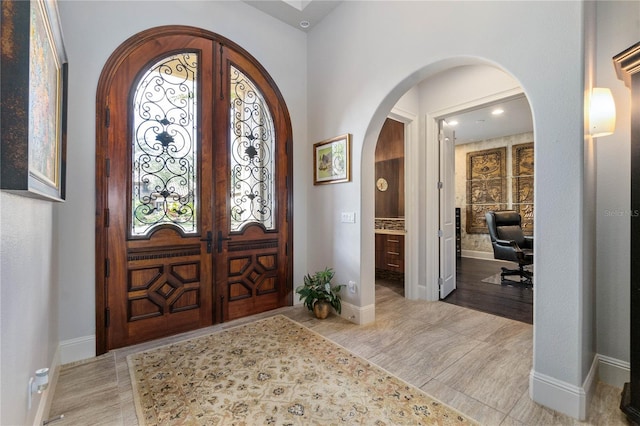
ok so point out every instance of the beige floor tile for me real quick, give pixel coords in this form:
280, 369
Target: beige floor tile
424, 353
509, 421
606, 396
89, 407
603, 410
528, 412
435, 313
513, 335
491, 374
475, 362
465, 404
475, 324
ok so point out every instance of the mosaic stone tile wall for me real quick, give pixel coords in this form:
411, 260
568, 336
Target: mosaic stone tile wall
390, 223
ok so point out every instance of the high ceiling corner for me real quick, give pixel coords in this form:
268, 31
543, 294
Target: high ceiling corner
300, 14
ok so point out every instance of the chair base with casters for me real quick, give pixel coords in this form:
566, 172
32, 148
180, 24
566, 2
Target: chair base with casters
526, 277
510, 244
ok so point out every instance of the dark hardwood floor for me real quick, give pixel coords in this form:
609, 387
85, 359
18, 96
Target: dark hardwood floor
513, 301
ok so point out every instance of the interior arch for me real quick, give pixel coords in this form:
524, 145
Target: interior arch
421, 216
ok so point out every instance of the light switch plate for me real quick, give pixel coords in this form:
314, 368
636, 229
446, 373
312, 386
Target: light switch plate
348, 217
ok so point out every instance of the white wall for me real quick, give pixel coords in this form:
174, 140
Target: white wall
618, 26
92, 31
28, 301
365, 55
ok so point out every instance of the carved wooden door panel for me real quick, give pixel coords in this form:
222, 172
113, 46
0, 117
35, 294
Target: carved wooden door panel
252, 221
192, 192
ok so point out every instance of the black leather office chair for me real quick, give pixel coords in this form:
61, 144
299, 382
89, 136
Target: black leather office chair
510, 243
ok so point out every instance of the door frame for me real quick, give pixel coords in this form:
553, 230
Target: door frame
433, 166
411, 240
102, 162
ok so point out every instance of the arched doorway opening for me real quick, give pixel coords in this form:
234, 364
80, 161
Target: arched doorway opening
432, 99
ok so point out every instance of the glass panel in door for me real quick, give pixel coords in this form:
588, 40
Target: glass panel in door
251, 144
164, 148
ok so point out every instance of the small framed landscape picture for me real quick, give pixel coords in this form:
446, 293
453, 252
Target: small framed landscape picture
332, 160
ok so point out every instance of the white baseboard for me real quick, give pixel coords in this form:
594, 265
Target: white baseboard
358, 314
562, 396
589, 386
46, 397
573, 400
478, 254
77, 349
613, 371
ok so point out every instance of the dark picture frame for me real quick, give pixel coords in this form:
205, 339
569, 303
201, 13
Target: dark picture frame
34, 100
332, 160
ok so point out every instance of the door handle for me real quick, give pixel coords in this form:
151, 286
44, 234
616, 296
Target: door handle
209, 240
220, 240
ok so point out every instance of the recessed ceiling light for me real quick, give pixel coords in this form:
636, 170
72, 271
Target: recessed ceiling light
304, 24
497, 111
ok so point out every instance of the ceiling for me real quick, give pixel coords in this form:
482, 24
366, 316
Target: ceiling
473, 125
480, 124
293, 12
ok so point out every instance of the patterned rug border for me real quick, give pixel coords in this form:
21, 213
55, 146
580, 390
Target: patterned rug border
138, 403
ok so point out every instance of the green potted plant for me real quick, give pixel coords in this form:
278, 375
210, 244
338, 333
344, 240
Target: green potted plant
319, 295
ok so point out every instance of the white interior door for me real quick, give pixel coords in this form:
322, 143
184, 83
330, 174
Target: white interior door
446, 233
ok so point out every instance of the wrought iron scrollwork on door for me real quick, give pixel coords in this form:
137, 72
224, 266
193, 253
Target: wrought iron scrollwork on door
252, 144
164, 146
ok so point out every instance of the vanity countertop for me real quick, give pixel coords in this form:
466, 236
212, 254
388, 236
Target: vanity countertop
391, 231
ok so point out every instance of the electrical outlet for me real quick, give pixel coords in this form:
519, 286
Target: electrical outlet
352, 287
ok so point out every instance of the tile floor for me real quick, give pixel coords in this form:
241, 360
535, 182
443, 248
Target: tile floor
475, 362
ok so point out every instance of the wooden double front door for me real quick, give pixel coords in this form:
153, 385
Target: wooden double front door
193, 220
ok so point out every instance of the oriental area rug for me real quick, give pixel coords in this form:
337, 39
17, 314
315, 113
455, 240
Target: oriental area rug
273, 372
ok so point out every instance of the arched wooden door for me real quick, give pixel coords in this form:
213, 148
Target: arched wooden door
193, 186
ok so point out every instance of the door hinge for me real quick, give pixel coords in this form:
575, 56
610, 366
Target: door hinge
441, 136
107, 268
107, 117
286, 249
106, 218
440, 282
107, 167
107, 317
440, 233
440, 185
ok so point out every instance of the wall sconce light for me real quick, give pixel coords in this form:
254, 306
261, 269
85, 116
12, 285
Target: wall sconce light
602, 112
